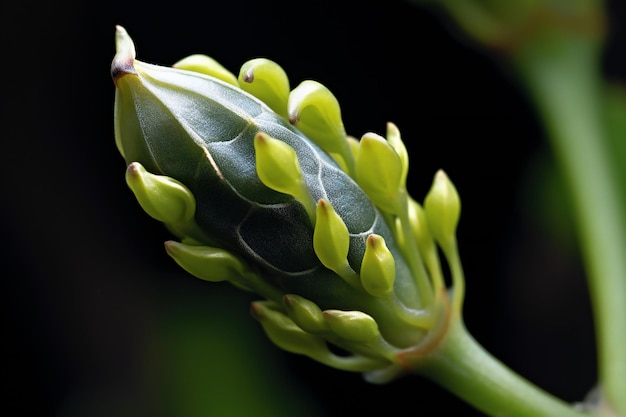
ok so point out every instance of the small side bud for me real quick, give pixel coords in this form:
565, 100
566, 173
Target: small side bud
267, 81
206, 262
378, 268
204, 64
278, 168
419, 226
305, 313
331, 238
353, 326
315, 111
163, 198
443, 209
394, 139
379, 172
284, 333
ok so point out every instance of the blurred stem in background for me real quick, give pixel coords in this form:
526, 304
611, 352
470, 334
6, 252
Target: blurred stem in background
555, 50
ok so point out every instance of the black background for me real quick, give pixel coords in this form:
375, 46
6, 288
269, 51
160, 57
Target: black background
91, 301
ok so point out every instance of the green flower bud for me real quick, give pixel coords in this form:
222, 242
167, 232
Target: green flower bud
316, 112
267, 81
353, 326
162, 197
204, 64
207, 263
419, 226
284, 333
378, 270
443, 209
331, 239
379, 172
278, 168
305, 313
394, 139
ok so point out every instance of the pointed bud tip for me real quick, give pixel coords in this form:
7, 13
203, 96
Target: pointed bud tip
124, 60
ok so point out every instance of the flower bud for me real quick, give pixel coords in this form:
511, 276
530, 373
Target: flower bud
331, 239
305, 313
315, 111
284, 333
379, 171
267, 81
394, 139
378, 270
443, 209
204, 64
278, 168
205, 262
353, 326
162, 197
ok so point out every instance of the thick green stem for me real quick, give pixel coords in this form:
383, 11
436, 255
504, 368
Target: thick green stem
563, 77
462, 366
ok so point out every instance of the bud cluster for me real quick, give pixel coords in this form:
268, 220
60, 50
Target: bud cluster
263, 188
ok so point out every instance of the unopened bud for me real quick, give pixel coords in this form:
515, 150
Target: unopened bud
353, 326
378, 269
206, 65
163, 198
267, 81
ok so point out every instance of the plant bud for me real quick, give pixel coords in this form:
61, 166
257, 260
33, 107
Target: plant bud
204, 64
305, 313
353, 326
331, 239
379, 171
278, 168
284, 333
315, 111
267, 81
162, 197
378, 270
443, 209
205, 262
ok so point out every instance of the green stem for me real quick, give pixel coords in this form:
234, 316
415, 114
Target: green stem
462, 366
563, 78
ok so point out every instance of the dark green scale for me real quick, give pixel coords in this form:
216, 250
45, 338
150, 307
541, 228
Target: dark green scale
200, 131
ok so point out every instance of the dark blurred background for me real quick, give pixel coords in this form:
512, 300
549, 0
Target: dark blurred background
100, 322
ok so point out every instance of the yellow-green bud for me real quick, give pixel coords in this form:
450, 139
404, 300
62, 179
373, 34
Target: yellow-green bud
378, 269
379, 172
163, 198
204, 64
395, 140
206, 262
419, 226
267, 81
316, 112
278, 168
353, 326
443, 209
283, 332
331, 239
305, 313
